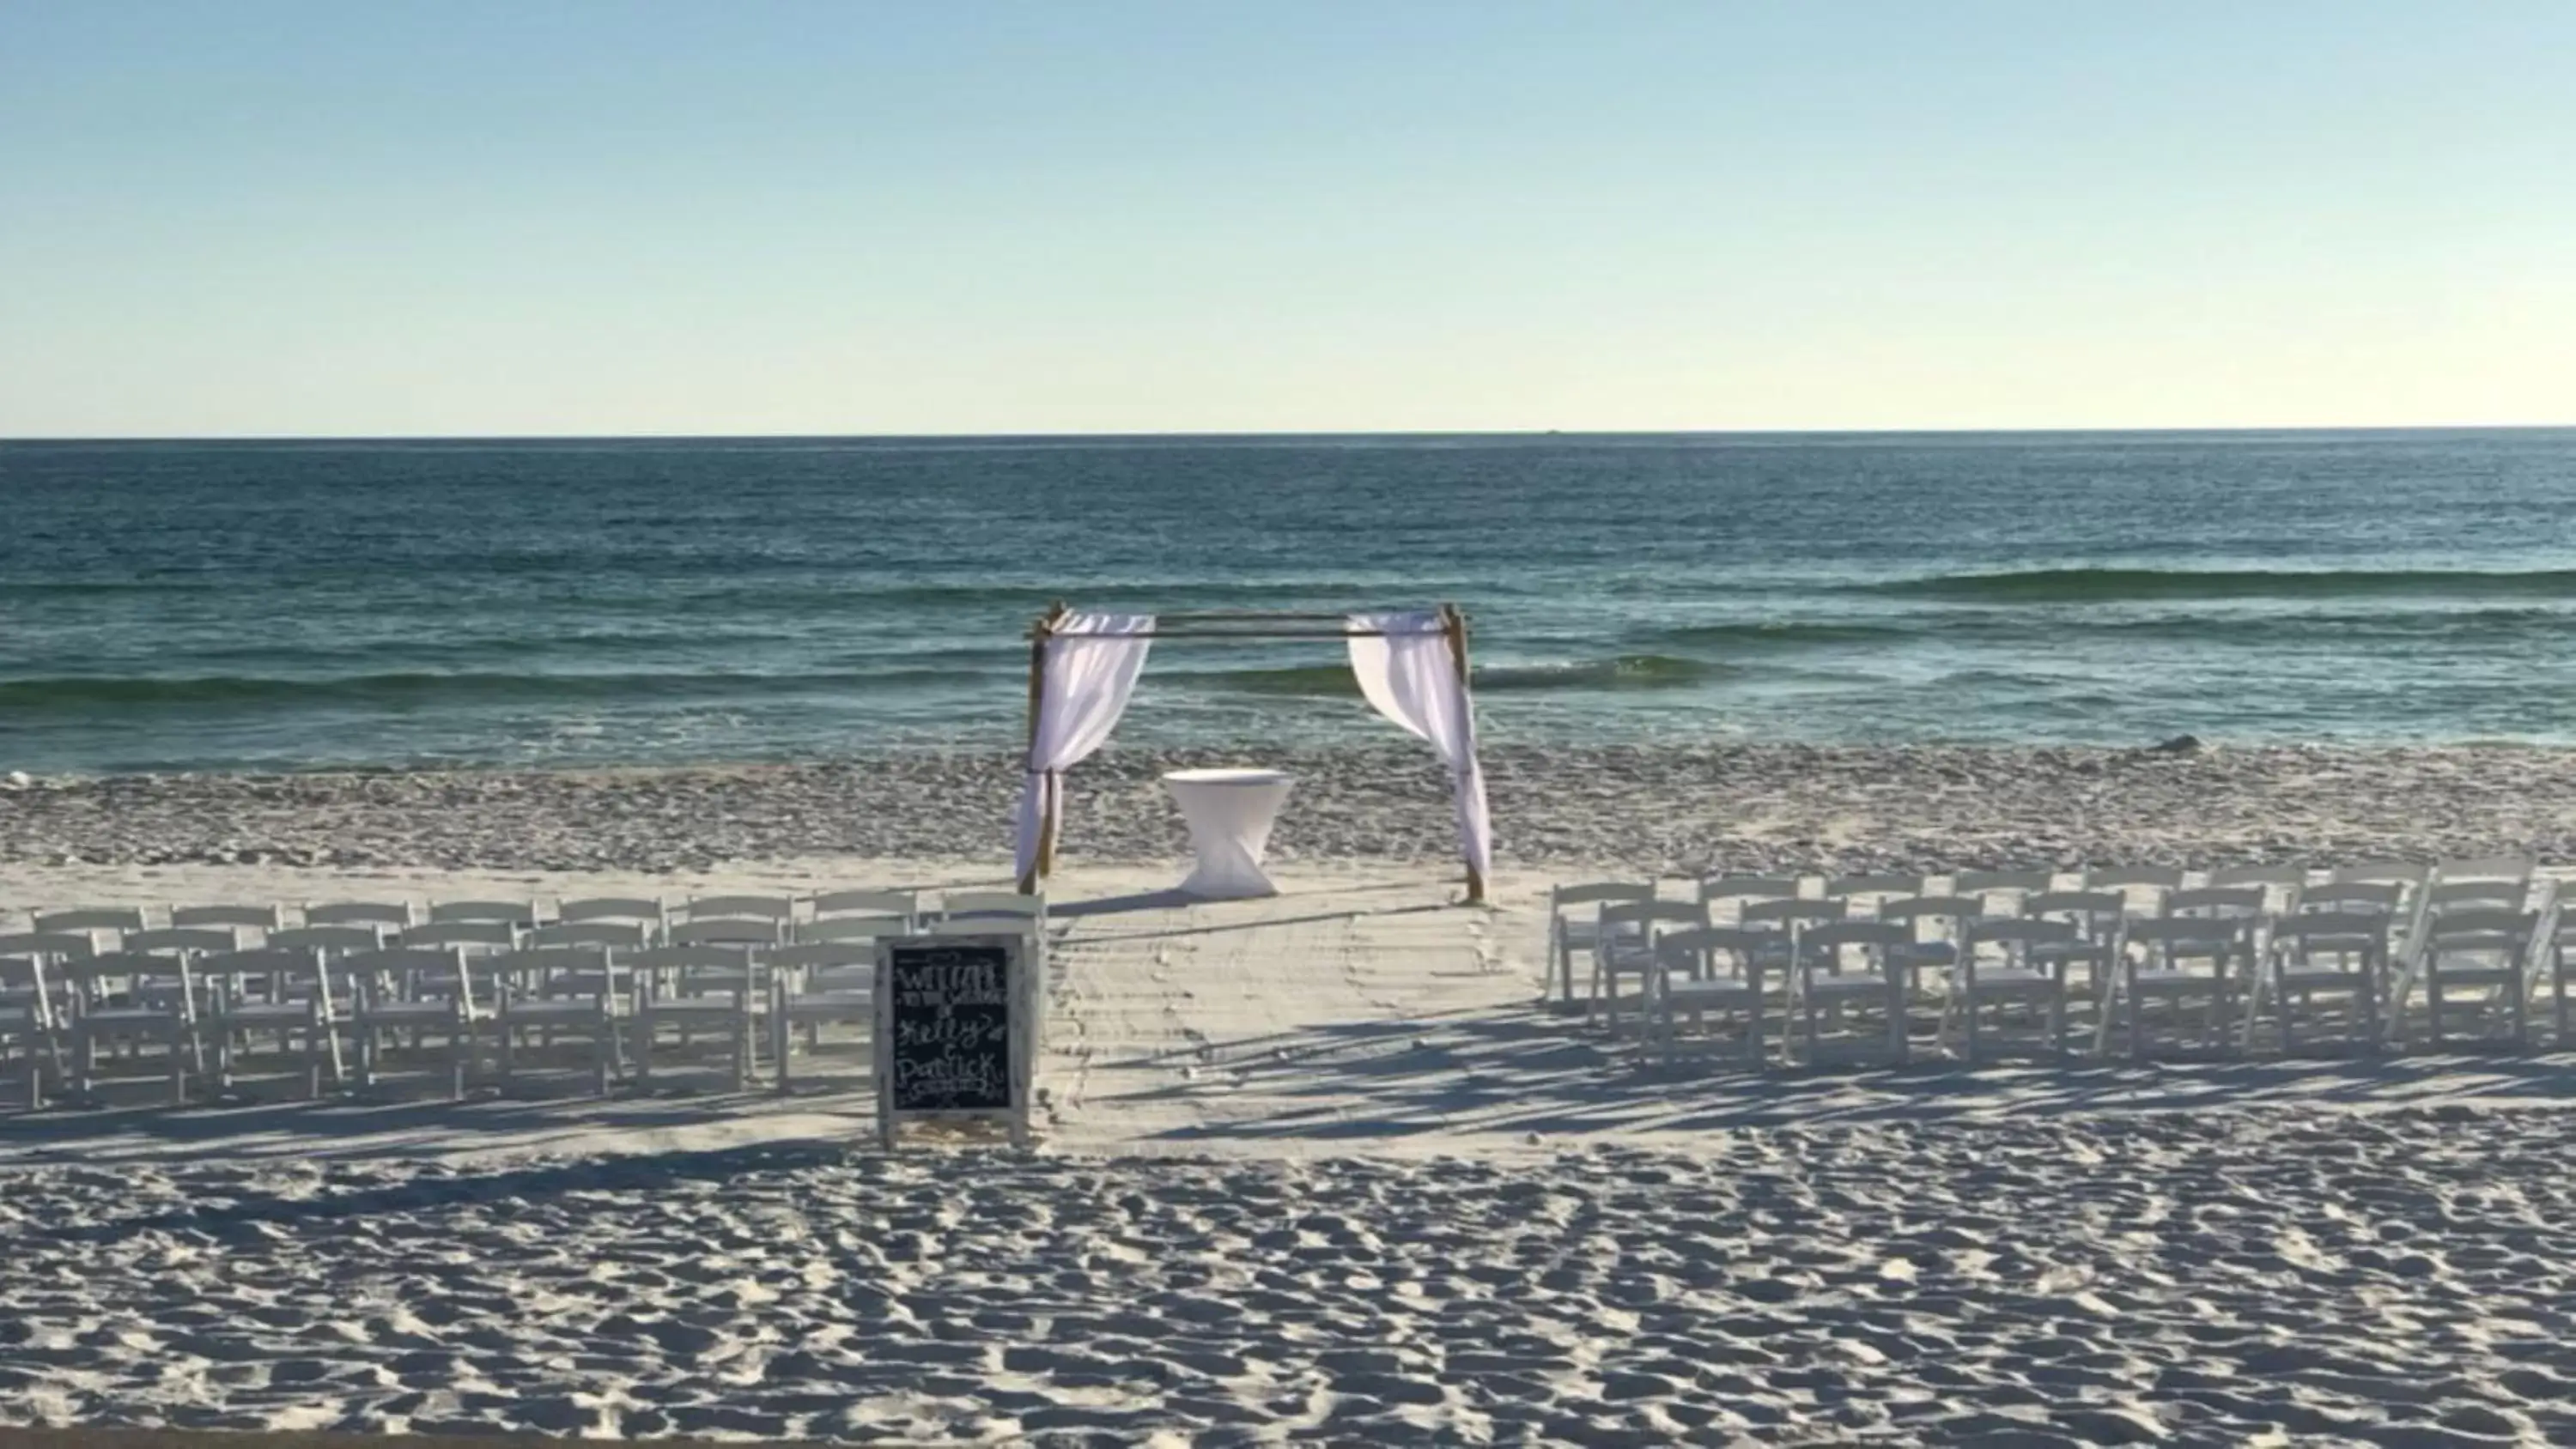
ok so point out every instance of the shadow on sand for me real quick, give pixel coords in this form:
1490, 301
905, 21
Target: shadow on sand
1526, 1072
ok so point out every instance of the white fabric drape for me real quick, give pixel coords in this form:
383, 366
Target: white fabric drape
1411, 677
1092, 661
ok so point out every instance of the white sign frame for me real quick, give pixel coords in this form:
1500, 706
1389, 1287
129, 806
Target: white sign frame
1016, 984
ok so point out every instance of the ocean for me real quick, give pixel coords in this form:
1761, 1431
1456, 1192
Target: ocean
298, 605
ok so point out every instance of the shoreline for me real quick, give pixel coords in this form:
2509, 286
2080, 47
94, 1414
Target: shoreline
1676, 808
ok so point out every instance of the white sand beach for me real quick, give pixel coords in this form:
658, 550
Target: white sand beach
1313, 1168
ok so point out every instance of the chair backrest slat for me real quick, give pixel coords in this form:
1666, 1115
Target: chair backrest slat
358, 913
2344, 896
328, 938
1982, 882
1783, 913
2122, 877
2259, 875
588, 933
850, 928
91, 918
724, 930
610, 908
257, 918
2235, 901
498, 935
48, 945
822, 955
868, 902
181, 938
512, 913
1747, 887
765, 908
954, 904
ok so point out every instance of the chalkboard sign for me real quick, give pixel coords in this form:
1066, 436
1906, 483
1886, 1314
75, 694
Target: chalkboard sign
950, 1039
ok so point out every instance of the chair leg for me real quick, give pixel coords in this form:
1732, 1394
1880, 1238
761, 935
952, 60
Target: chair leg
1754, 1055
1807, 1000
741, 1044
1899, 1008
2057, 1011
2433, 999
1967, 977
603, 1049
782, 1036
2558, 995
2137, 1041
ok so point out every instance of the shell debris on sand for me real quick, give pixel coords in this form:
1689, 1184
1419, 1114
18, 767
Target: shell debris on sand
1747, 807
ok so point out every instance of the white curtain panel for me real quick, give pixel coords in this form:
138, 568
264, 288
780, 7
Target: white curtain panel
1411, 677
1092, 661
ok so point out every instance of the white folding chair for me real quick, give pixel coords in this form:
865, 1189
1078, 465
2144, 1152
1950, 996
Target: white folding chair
1840, 970
1689, 981
2096, 917
2179, 962
2477, 959
817, 984
1574, 924
425, 991
33, 1024
122, 1000
2340, 956
282, 993
2002, 962
695, 985
1626, 947
577, 990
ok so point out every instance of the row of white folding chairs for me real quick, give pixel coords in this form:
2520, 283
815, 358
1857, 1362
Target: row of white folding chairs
60, 1000
2120, 970
1572, 909
136, 928
2404, 895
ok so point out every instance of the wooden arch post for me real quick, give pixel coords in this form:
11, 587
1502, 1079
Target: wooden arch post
1454, 625
1041, 634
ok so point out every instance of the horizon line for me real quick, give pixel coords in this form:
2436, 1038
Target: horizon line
1214, 434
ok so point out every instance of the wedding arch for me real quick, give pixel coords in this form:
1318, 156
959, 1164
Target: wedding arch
1411, 667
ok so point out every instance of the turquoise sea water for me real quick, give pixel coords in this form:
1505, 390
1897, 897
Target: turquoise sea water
288, 605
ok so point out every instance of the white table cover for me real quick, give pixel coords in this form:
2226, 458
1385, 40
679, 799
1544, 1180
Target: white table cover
1230, 813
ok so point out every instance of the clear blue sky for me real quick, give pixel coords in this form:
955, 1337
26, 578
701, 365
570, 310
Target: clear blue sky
537, 216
